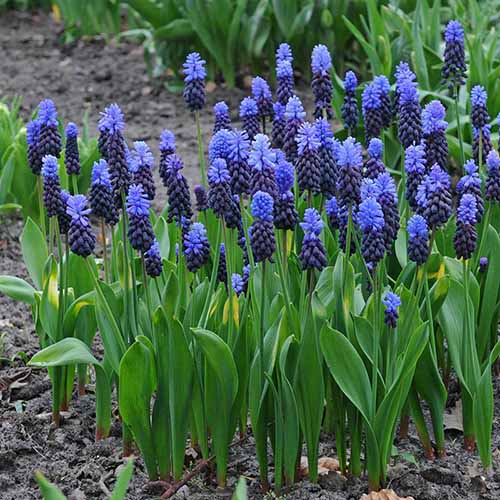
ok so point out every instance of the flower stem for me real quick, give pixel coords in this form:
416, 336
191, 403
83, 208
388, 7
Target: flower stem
200, 148
75, 184
41, 207
104, 251
459, 128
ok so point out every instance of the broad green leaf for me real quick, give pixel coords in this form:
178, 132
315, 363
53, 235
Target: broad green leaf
17, 289
137, 384
121, 486
49, 491
483, 416
34, 248
65, 352
49, 304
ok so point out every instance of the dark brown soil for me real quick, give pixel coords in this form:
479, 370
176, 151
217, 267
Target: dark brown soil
83, 77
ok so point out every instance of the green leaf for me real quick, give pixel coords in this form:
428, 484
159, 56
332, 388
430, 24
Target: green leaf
65, 352
121, 486
241, 490
17, 289
34, 250
49, 304
348, 369
136, 389
483, 416
175, 30
49, 491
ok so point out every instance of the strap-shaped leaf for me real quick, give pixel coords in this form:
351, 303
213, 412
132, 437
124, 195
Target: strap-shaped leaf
34, 250
17, 289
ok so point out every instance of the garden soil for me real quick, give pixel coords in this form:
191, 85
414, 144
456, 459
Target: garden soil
84, 77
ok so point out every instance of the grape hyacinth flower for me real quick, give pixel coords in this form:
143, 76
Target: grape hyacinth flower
332, 212
238, 284
263, 161
284, 53
326, 152
454, 68
308, 162
343, 221
51, 186
262, 237
471, 183
262, 96
369, 189
237, 162
350, 163
200, 194
465, 239
32, 139
167, 148
418, 239
374, 165
140, 229
434, 134
219, 145
410, 114
249, 114
141, 168
371, 105
391, 303
103, 138
285, 213
196, 247
232, 216
384, 87
284, 76
415, 172
194, 81
153, 263
222, 117
370, 218
493, 178
72, 156
403, 74
222, 269
434, 197
81, 238
312, 254
63, 217
49, 139
179, 199
101, 193
350, 112
321, 83
479, 111
483, 140
294, 115
219, 196
483, 264
112, 119
388, 200
279, 123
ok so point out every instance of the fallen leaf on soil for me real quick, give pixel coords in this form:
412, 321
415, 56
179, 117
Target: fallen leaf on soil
210, 87
384, 495
325, 465
453, 419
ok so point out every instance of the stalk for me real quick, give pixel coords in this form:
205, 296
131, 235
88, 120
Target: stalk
376, 337
264, 479
75, 184
229, 262
104, 251
419, 420
41, 206
484, 232
459, 128
146, 291
200, 148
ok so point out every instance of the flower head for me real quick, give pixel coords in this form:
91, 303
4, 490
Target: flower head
415, 159
403, 72
100, 174
77, 209
50, 167
294, 109
284, 69
350, 82
454, 32
248, 107
284, 174
321, 60
218, 172
467, 210
238, 146
417, 227
307, 139
32, 132
370, 216
219, 144
167, 142
194, 67
391, 303
141, 156
433, 118
332, 207
284, 53
369, 189
312, 222
350, 154
137, 201
262, 206
408, 92
71, 130
323, 133
478, 96
221, 108
371, 97
387, 186
493, 162
47, 113
375, 148
262, 156
112, 119
195, 239
279, 111
260, 89
382, 84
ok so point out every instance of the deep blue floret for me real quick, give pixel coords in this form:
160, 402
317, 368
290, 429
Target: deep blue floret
179, 199
391, 303
196, 247
200, 194
167, 147
284, 176
140, 230
279, 124
71, 155
493, 179
332, 212
321, 83
249, 114
284, 76
152, 260
415, 162
51, 186
465, 239
194, 78
350, 162
312, 254
371, 104
222, 117
81, 238
101, 193
49, 139
112, 119
237, 158
454, 68
262, 206
382, 83
350, 112
263, 96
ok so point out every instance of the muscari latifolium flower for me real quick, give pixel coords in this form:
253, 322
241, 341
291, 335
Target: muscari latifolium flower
294, 116
167, 148
101, 193
434, 134
308, 160
374, 164
222, 118
465, 239
262, 161
179, 199
350, 114
285, 213
81, 238
249, 114
261, 232
454, 67
196, 247
326, 152
321, 83
418, 239
312, 254
141, 167
140, 229
71, 155
391, 303
194, 81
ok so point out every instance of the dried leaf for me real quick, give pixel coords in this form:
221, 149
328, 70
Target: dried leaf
453, 418
325, 466
384, 495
